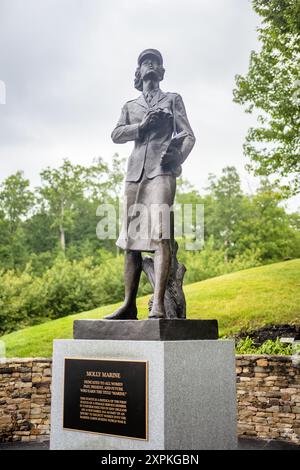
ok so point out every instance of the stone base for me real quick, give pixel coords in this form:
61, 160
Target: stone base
192, 394
146, 330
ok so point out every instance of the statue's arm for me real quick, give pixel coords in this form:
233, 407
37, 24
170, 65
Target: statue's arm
124, 131
182, 124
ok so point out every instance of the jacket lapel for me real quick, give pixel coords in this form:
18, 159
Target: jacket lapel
141, 101
156, 99
159, 97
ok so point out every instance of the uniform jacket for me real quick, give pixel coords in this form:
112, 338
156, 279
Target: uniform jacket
149, 146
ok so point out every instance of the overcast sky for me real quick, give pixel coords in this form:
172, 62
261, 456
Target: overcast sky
68, 67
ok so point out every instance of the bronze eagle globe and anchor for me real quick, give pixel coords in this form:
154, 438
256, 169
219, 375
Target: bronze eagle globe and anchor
158, 125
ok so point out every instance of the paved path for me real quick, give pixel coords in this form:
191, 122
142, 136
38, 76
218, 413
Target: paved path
244, 444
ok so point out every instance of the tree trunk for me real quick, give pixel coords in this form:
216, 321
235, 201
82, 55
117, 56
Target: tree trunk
61, 228
62, 238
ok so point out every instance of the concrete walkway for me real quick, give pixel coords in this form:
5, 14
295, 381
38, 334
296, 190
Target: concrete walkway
244, 444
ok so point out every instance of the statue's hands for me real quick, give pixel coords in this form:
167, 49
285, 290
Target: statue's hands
149, 120
153, 118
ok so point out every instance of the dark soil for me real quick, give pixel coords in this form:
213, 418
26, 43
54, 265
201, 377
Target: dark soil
261, 335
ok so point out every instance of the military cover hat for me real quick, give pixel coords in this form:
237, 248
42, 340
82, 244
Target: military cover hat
150, 52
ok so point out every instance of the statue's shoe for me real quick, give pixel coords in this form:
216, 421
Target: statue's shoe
156, 313
123, 314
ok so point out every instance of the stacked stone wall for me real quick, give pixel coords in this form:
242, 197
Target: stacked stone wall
268, 398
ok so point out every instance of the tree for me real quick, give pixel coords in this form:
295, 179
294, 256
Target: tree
187, 218
268, 227
224, 209
116, 176
39, 232
271, 88
71, 194
16, 201
63, 187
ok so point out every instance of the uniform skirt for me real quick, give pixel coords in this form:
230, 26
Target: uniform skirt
147, 213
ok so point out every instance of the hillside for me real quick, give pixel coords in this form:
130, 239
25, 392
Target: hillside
246, 299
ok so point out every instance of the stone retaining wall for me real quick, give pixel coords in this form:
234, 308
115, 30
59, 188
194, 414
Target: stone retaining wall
25, 399
268, 391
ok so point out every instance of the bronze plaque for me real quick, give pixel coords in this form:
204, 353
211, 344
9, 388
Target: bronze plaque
106, 396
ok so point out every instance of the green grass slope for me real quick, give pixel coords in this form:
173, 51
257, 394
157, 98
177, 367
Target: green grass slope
245, 299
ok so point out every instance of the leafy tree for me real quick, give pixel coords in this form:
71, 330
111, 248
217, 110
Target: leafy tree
187, 199
116, 176
16, 201
82, 237
40, 235
270, 226
266, 226
71, 193
226, 210
271, 88
241, 225
63, 187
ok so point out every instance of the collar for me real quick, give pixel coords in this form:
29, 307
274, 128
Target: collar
152, 92
160, 95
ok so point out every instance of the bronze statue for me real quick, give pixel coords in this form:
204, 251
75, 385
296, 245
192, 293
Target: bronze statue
163, 138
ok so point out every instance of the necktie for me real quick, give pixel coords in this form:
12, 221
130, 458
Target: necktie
149, 96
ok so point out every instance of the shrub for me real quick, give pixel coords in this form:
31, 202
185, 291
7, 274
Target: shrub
67, 287
269, 347
211, 262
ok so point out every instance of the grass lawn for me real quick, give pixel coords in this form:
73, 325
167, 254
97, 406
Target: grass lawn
245, 299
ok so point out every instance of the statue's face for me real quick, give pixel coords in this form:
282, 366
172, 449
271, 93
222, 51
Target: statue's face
150, 68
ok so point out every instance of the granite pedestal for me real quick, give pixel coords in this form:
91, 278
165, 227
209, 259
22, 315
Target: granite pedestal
191, 390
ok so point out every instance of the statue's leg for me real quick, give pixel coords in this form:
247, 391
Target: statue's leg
133, 269
162, 264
